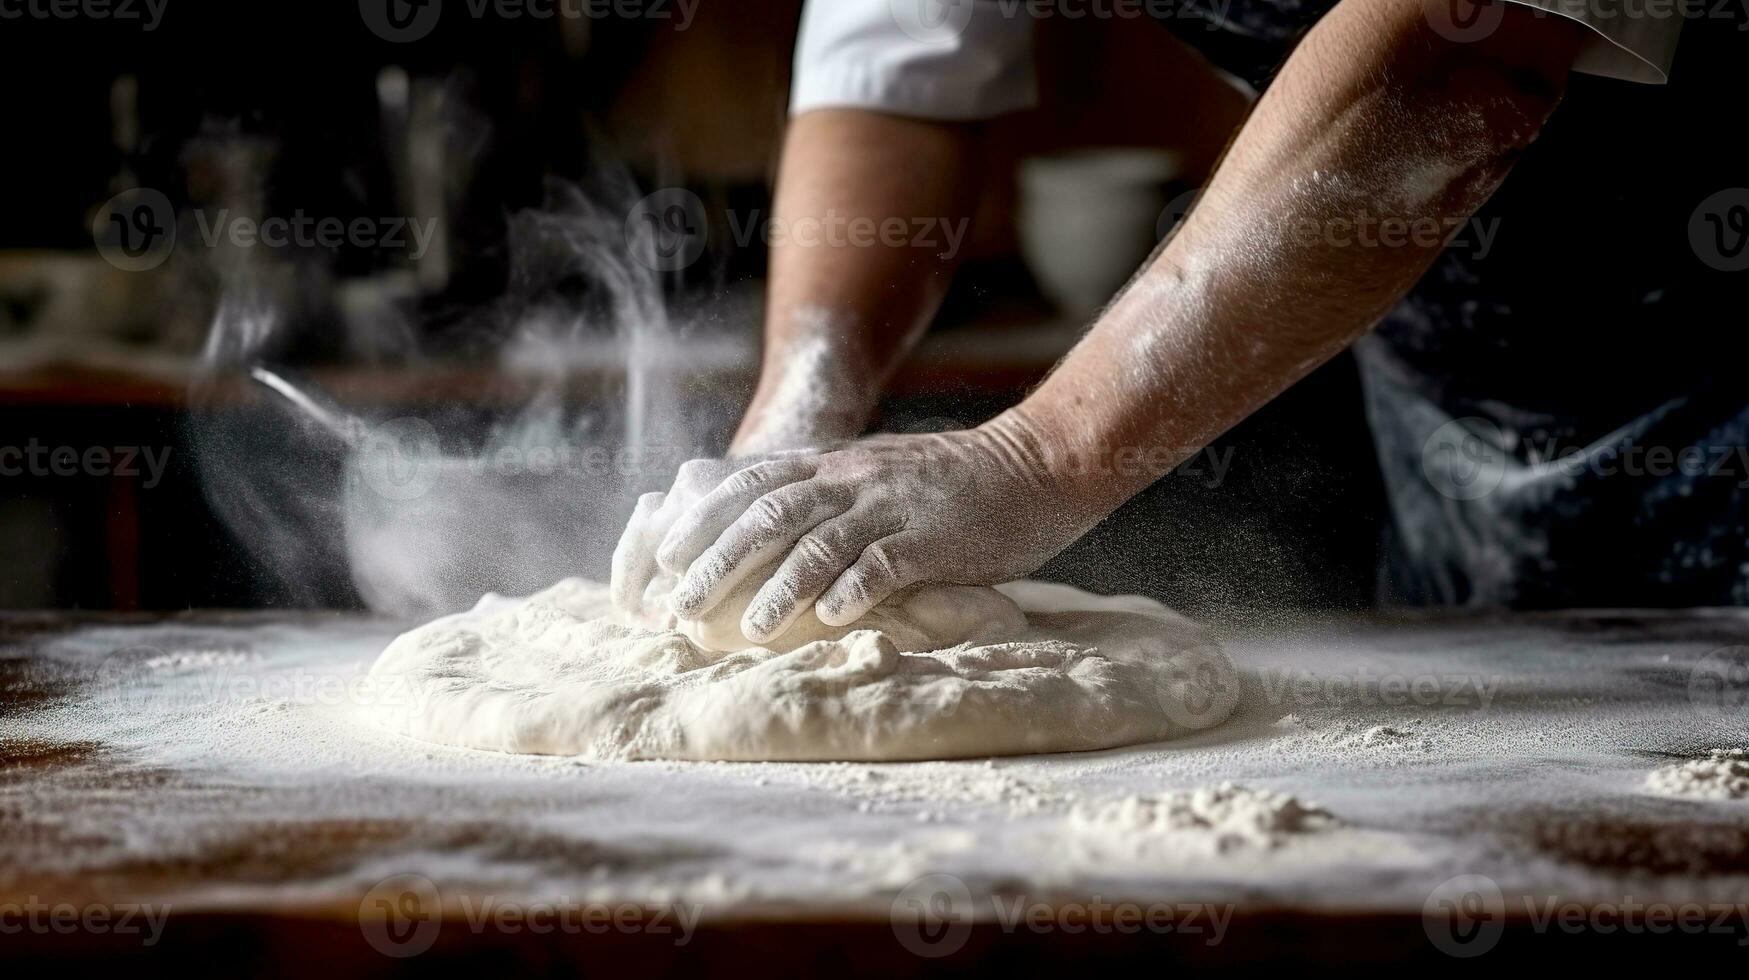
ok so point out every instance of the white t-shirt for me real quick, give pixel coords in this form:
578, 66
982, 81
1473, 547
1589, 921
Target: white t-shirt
973, 59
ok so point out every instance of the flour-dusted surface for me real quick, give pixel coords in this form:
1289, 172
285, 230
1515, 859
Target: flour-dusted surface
232, 764
946, 673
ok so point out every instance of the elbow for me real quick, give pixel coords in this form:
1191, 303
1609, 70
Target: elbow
1488, 100
1514, 77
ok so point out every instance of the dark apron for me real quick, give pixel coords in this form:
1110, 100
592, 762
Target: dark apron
1560, 407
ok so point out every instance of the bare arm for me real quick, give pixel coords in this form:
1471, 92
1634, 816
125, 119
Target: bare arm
843, 308
1306, 236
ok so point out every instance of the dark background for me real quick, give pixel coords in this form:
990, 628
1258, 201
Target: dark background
1297, 522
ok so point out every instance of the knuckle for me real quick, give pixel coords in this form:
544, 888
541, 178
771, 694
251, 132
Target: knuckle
851, 589
690, 472
814, 551
772, 511
743, 480
883, 564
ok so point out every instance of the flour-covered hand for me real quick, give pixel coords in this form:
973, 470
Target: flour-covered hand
841, 531
634, 558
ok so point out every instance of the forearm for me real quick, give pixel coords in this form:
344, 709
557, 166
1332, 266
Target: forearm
1376, 139
850, 290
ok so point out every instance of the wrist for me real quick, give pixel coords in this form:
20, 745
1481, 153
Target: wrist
772, 426
1051, 459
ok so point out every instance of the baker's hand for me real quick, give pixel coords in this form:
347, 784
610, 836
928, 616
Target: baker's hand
634, 558
855, 525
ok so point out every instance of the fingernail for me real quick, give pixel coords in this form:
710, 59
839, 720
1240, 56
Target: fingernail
759, 623
685, 601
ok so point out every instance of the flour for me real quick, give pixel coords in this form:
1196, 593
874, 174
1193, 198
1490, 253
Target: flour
948, 787
821, 392
1207, 821
1721, 775
939, 674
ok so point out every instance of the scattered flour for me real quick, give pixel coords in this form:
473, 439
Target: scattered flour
195, 659
1401, 738
951, 786
1722, 775
1204, 822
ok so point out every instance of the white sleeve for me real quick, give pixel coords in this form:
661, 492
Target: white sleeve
936, 59
1634, 44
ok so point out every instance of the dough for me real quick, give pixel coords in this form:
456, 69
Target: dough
941, 673
926, 619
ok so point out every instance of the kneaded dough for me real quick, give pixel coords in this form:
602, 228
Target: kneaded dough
938, 673
922, 619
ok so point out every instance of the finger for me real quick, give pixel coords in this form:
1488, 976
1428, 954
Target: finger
880, 571
633, 567
765, 530
816, 561
704, 522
